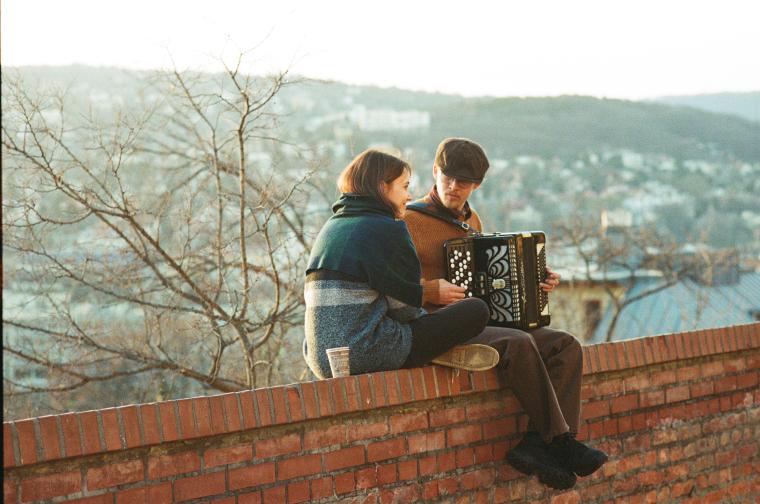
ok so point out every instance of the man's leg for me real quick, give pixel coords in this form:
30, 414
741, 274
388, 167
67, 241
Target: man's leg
563, 358
522, 366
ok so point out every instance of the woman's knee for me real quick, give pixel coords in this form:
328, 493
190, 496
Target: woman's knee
479, 311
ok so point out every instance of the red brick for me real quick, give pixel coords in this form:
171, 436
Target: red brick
339, 395
480, 411
481, 478
49, 437
90, 433
748, 380
252, 497
344, 483
8, 455
366, 478
596, 409
199, 486
321, 488
323, 398
151, 428
115, 474
391, 386
202, 410
348, 457
186, 418
448, 486
407, 470
677, 394
169, 423
289, 443
27, 441
229, 455
483, 453
383, 450
624, 403
232, 412
216, 405
410, 493
131, 426
298, 492
408, 422
428, 372
252, 476
464, 435
465, 457
446, 416
275, 494
111, 429
365, 390
295, 406
265, 406
714, 368
171, 464
278, 405
48, 486
333, 435
247, 409
146, 495
499, 428
299, 466
653, 398
377, 385
427, 466
417, 380
426, 442
701, 389
386, 474
663, 378
651, 478
447, 462
367, 431
10, 491
405, 384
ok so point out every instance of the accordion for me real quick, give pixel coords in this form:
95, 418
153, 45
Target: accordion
504, 270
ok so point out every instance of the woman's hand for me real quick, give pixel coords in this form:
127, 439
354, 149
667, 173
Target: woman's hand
441, 292
551, 280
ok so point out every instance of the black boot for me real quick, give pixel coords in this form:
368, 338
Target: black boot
576, 456
531, 456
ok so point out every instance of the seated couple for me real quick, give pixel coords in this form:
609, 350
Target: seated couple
375, 283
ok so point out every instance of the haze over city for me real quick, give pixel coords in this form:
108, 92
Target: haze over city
624, 49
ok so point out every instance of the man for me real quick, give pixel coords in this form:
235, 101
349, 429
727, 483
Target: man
542, 366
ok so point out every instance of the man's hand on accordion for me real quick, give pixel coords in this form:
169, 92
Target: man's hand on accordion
551, 280
441, 292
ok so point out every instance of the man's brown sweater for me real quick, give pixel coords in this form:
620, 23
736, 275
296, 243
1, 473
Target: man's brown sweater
428, 234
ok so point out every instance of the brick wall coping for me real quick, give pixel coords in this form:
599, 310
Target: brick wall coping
44, 439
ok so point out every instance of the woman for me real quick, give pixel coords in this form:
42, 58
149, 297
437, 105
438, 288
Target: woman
363, 283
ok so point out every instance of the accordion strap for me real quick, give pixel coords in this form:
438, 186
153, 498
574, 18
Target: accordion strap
422, 207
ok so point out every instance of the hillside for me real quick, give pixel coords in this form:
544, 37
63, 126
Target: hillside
563, 126
746, 105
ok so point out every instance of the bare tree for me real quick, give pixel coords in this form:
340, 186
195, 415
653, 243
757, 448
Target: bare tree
169, 241
615, 259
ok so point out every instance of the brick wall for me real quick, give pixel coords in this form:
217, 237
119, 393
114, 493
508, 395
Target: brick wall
679, 414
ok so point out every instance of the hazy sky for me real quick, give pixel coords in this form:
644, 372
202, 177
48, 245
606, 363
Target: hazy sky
622, 48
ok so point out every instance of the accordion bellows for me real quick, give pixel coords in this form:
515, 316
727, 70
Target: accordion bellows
504, 270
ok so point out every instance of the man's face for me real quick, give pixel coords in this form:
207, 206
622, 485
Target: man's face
453, 192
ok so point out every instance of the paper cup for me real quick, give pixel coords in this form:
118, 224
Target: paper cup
338, 361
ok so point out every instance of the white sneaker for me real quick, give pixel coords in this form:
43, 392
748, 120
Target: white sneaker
472, 357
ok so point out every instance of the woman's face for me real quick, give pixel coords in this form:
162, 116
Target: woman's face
397, 192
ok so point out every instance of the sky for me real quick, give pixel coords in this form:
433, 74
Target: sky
631, 49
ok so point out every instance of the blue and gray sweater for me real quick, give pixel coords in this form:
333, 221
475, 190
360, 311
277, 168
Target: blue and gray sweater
362, 288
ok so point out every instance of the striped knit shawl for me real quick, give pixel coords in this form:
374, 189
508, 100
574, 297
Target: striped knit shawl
363, 240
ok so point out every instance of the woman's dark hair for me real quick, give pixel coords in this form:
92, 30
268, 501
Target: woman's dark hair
364, 174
